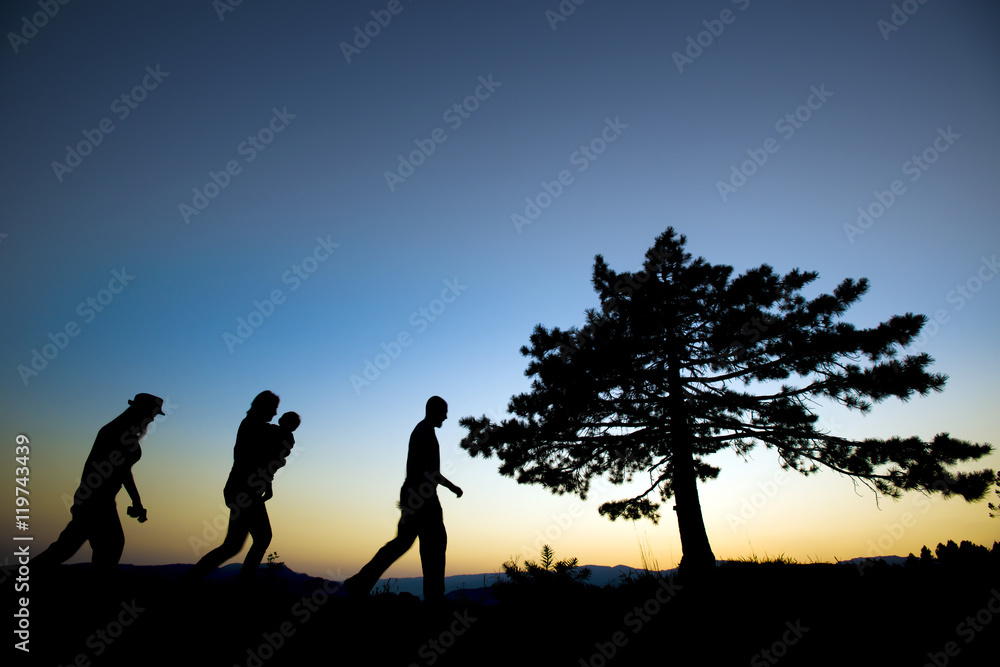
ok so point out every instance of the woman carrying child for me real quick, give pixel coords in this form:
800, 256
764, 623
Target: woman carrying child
261, 448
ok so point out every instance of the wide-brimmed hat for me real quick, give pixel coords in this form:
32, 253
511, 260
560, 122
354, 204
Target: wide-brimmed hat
154, 403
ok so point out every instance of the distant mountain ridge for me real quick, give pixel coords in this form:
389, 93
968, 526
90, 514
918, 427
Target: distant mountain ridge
472, 586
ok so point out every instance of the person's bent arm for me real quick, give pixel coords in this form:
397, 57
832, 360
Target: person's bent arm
454, 488
133, 492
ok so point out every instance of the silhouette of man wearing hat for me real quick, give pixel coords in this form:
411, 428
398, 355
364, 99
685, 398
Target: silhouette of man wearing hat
421, 511
107, 470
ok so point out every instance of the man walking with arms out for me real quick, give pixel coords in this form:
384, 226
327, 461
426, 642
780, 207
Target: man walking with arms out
421, 515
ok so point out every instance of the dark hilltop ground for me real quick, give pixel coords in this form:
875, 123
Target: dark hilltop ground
942, 610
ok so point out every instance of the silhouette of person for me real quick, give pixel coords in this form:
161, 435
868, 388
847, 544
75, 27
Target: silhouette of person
108, 468
420, 510
248, 488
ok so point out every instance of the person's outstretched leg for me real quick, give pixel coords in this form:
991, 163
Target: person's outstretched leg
363, 581
68, 543
236, 537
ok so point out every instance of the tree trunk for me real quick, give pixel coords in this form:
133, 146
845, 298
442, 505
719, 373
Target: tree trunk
697, 557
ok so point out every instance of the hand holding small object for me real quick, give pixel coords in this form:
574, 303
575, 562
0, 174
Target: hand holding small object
138, 513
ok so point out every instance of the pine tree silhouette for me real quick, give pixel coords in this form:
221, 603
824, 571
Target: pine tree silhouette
682, 360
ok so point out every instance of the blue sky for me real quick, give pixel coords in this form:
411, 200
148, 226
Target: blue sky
838, 104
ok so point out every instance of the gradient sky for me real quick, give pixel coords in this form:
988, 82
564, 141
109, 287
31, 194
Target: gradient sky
433, 258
